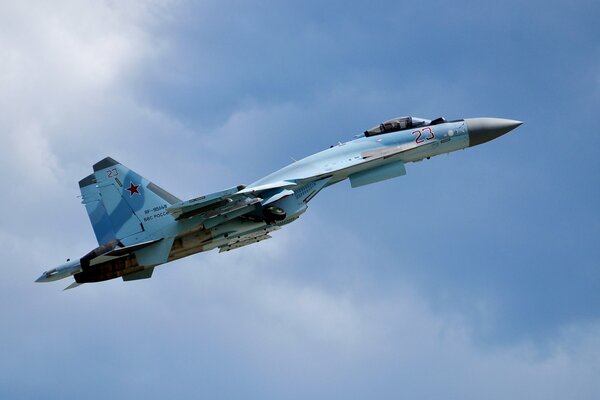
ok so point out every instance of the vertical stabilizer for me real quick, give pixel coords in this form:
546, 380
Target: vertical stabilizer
90, 195
121, 203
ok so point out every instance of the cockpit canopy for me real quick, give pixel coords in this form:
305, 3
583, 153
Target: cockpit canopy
399, 124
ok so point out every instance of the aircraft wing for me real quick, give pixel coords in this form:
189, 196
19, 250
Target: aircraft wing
220, 206
224, 203
204, 204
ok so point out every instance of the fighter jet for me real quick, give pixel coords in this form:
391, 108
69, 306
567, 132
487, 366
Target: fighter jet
139, 225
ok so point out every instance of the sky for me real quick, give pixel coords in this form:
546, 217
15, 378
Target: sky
474, 276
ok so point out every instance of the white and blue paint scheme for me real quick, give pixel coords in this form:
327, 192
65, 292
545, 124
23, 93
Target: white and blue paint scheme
139, 225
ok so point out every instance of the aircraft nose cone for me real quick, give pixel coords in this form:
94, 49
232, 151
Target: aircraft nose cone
483, 130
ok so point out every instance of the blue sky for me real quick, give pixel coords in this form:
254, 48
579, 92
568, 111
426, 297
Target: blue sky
474, 276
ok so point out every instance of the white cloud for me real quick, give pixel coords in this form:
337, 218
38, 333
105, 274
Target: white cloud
60, 54
66, 102
284, 329
248, 316
61, 62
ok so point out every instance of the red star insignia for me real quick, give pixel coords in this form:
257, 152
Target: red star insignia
133, 189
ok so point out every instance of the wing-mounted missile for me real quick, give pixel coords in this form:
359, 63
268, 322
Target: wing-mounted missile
204, 204
216, 208
247, 239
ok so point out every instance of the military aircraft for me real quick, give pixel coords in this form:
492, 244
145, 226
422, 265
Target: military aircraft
139, 225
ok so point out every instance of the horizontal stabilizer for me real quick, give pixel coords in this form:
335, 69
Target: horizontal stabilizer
111, 251
72, 286
156, 254
122, 251
144, 274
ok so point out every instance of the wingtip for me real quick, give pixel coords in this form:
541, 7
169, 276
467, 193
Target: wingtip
104, 163
88, 180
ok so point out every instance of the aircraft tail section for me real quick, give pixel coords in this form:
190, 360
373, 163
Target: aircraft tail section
121, 203
90, 197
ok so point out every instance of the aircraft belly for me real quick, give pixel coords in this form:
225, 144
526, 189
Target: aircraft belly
222, 235
189, 244
109, 270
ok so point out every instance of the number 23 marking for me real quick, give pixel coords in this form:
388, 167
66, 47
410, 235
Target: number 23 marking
111, 173
420, 133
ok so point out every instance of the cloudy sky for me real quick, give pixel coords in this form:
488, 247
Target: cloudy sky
474, 276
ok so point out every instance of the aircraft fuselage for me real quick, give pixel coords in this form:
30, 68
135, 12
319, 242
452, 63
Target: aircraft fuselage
141, 226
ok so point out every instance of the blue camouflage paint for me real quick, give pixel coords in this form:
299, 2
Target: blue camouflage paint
154, 227
99, 219
131, 211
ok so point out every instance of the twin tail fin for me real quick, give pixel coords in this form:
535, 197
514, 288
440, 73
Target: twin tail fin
121, 203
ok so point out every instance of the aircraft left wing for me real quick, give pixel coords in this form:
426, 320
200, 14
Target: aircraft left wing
204, 204
216, 208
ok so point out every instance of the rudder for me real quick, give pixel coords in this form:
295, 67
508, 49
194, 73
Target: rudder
90, 197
